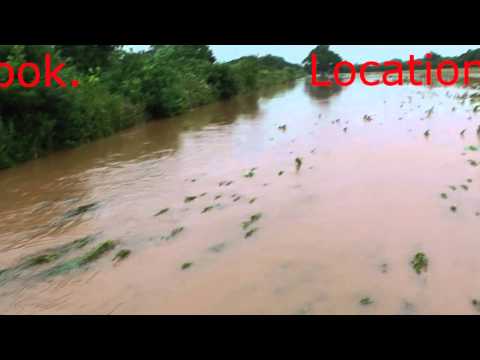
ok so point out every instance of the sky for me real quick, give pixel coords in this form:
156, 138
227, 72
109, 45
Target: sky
352, 53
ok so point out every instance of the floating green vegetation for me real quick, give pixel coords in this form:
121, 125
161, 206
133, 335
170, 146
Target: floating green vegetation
298, 163
122, 254
251, 173
366, 301
53, 254
250, 232
80, 210
75, 263
464, 187
282, 127
453, 208
453, 188
190, 199
280, 173
173, 233
161, 212
443, 196
208, 208
186, 265
251, 201
254, 218
471, 148
419, 262
217, 248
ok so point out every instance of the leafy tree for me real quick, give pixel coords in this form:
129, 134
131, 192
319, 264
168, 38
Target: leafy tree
86, 57
326, 59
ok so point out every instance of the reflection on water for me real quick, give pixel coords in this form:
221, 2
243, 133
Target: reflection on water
214, 195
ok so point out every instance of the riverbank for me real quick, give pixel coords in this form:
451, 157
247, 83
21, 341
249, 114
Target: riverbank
121, 90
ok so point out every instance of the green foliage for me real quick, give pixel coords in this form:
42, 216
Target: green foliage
419, 262
116, 90
326, 59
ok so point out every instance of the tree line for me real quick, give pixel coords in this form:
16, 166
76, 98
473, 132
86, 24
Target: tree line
118, 89
327, 59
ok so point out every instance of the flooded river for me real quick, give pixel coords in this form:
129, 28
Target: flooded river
221, 218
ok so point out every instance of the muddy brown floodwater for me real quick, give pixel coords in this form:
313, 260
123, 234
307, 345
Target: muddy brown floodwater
344, 227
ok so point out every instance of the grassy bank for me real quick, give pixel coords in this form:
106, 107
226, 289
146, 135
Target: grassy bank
117, 90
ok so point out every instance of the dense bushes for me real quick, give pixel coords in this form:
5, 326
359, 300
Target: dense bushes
117, 89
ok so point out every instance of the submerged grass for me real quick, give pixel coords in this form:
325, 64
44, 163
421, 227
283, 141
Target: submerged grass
79, 261
173, 233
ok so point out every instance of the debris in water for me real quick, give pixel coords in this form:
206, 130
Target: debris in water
122, 254
251, 173
345, 129
476, 304
463, 132
464, 187
252, 200
419, 262
190, 199
186, 265
469, 180
208, 208
161, 212
472, 162
366, 301
282, 127
453, 208
252, 219
250, 233
280, 173
174, 233
298, 163
426, 133
453, 188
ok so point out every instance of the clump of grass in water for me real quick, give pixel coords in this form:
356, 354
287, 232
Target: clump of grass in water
80, 261
251, 173
476, 304
173, 233
473, 162
252, 200
298, 163
453, 188
464, 187
161, 212
190, 199
443, 196
208, 208
419, 262
187, 265
280, 173
254, 218
453, 208
282, 127
366, 301
122, 254
251, 232
471, 148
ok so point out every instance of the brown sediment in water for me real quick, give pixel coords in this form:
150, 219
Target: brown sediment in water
343, 228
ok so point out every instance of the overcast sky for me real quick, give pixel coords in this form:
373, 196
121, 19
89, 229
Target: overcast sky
353, 53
